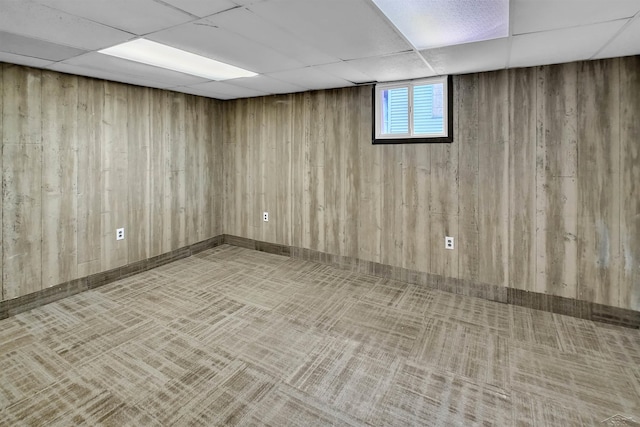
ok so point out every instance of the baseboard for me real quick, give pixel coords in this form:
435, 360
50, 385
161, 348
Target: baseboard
550, 303
21, 304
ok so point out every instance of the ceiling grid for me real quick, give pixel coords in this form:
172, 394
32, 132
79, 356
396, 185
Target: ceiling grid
298, 45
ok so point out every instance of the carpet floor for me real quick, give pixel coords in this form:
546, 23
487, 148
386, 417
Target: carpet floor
239, 337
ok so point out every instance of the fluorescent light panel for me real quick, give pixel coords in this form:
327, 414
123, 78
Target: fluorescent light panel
163, 56
429, 24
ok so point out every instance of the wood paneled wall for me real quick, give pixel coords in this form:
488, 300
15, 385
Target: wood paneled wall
541, 188
82, 157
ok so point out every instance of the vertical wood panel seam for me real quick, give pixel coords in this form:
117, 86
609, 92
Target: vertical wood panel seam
476, 202
620, 172
41, 177
292, 109
507, 143
534, 239
129, 226
511, 77
381, 164
538, 76
456, 109
2, 83
580, 285
78, 174
2, 90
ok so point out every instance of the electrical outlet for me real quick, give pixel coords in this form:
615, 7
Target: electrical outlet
448, 242
265, 216
120, 234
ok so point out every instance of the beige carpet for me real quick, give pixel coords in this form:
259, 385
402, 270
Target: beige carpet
239, 337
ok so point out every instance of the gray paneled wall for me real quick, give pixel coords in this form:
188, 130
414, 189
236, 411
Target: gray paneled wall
82, 157
541, 188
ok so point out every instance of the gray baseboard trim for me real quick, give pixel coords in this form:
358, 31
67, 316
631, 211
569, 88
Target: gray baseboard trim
549, 303
21, 304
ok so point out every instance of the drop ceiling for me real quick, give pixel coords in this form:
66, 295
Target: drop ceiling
298, 45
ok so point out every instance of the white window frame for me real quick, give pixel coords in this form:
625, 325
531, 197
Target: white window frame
410, 84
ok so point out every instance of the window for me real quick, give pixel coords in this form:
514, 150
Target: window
414, 111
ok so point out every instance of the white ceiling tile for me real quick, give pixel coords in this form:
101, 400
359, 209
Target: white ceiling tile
343, 29
470, 57
246, 23
111, 64
23, 60
30, 19
100, 74
625, 44
567, 45
403, 66
346, 71
14, 43
137, 17
265, 84
311, 78
202, 8
226, 90
298, 44
205, 39
530, 16
436, 23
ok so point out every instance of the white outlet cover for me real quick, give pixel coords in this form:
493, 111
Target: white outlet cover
120, 234
265, 216
448, 242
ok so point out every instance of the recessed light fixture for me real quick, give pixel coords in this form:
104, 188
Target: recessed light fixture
429, 24
163, 56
